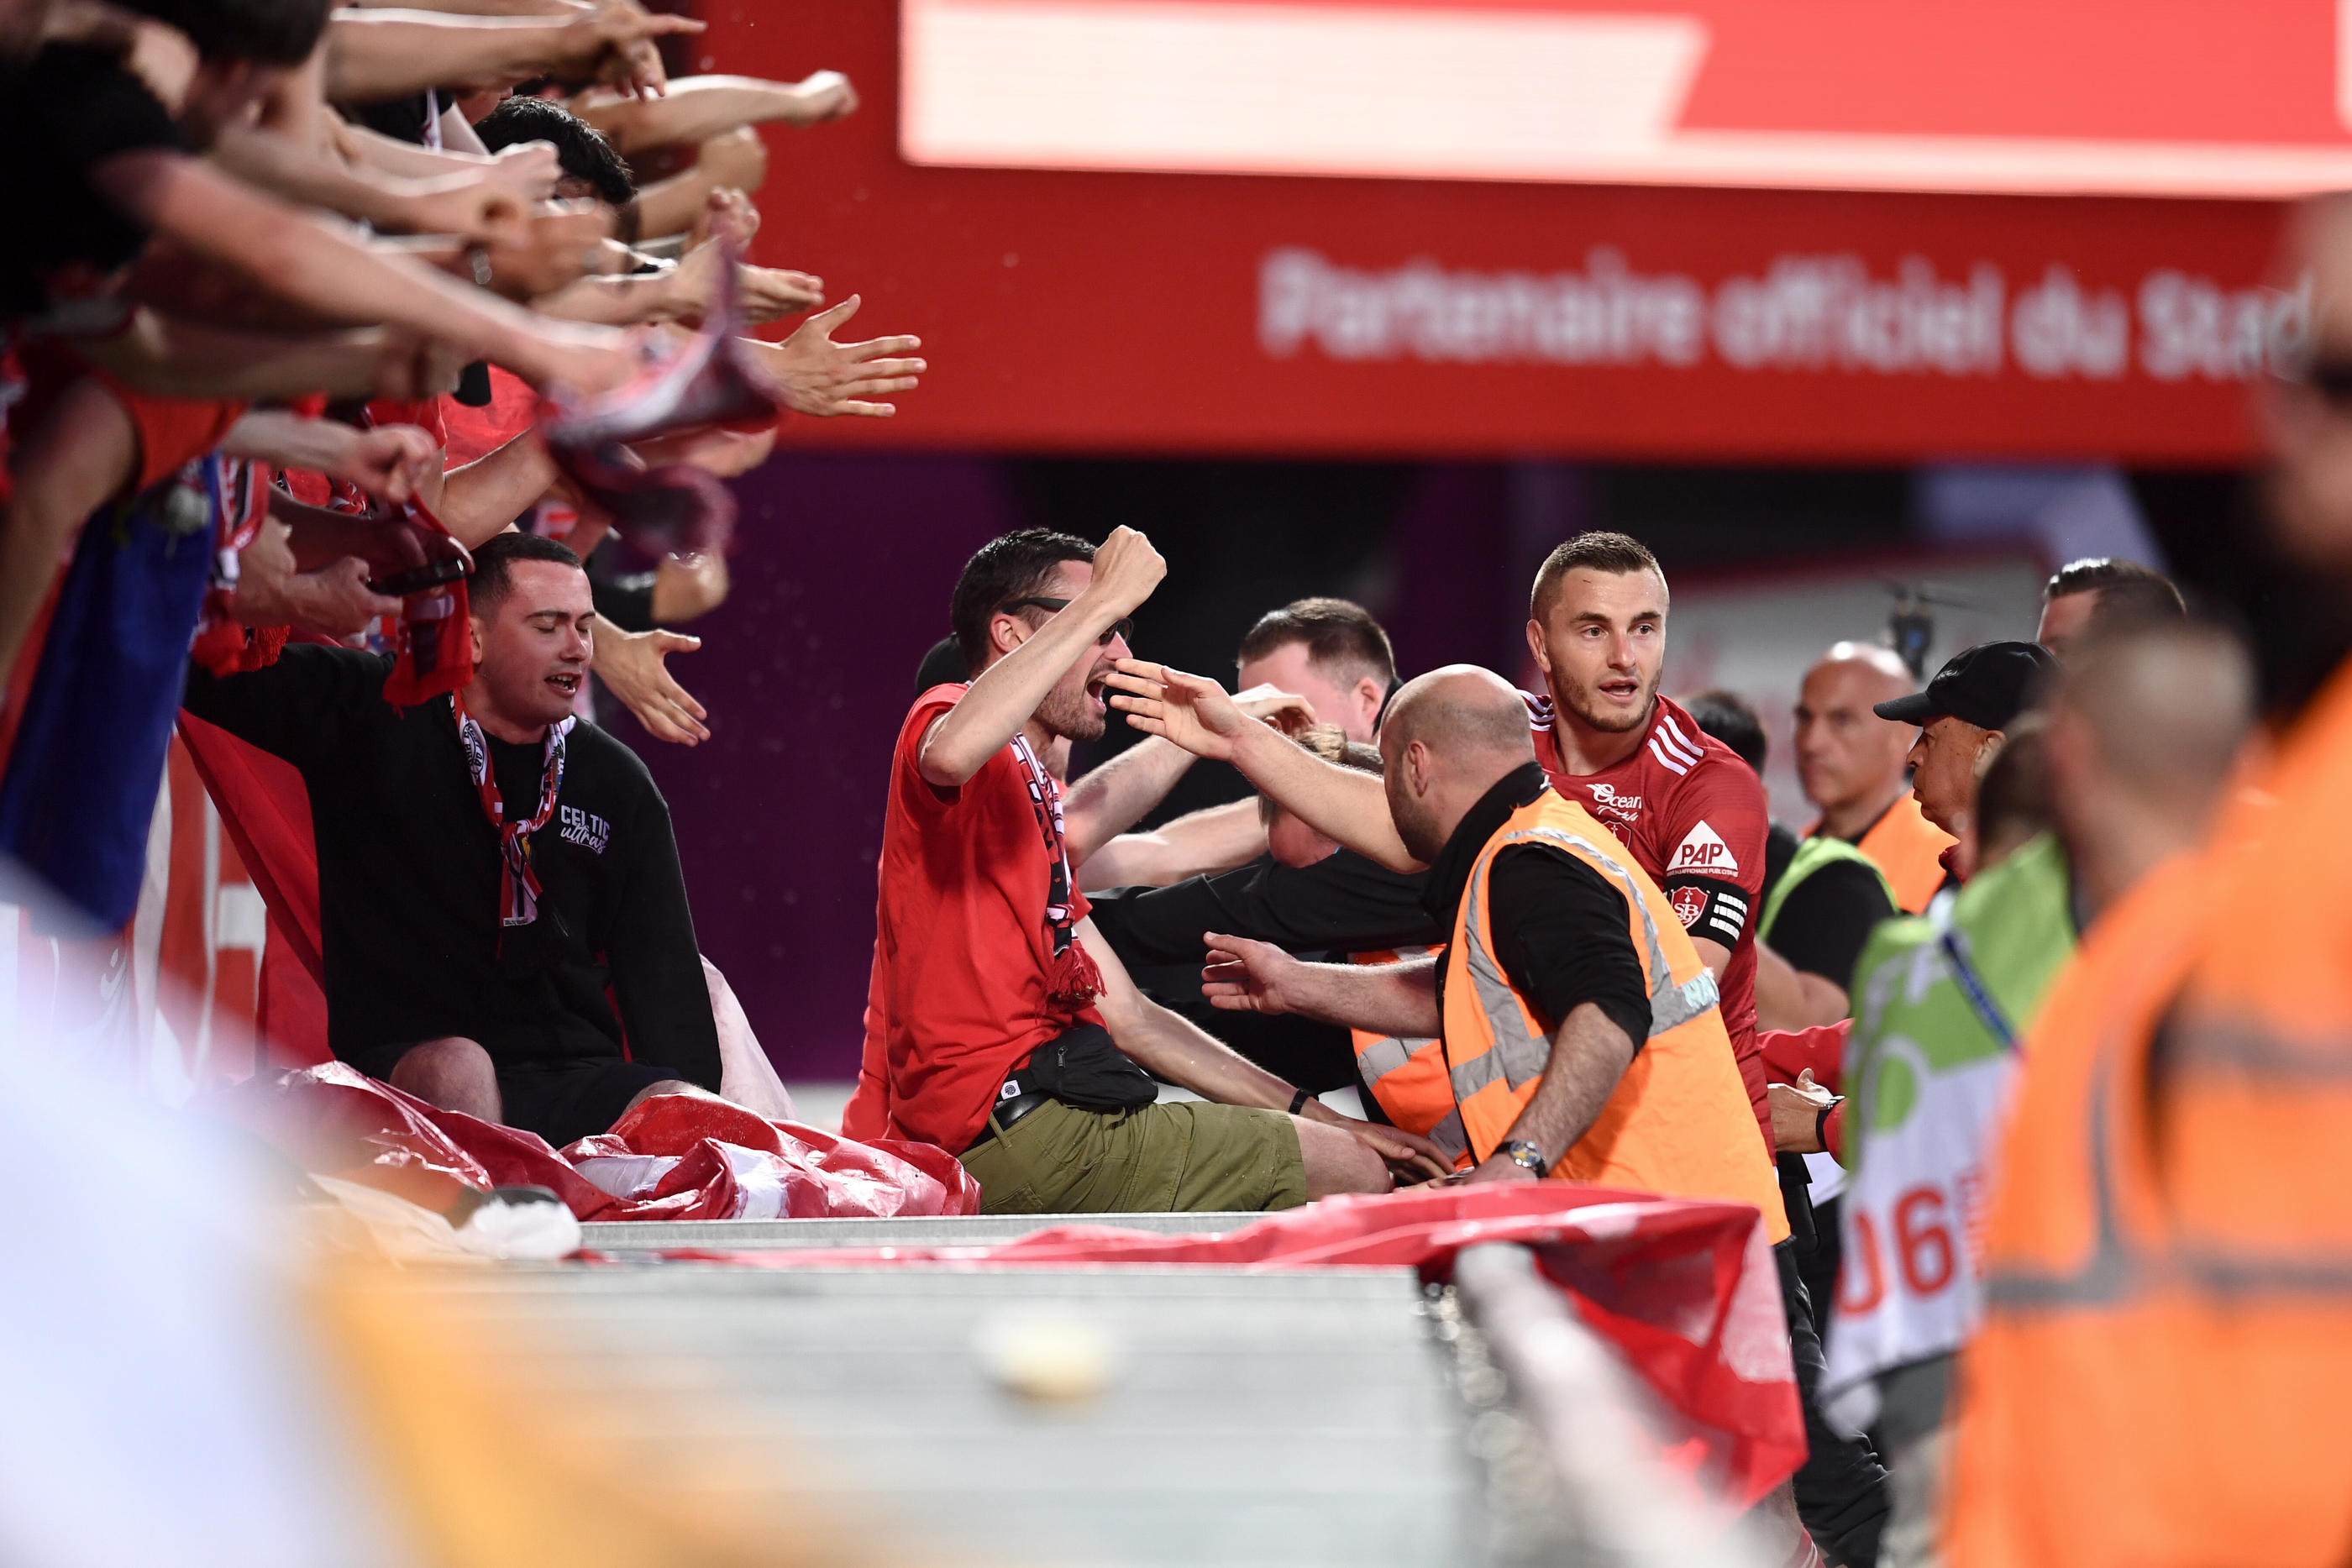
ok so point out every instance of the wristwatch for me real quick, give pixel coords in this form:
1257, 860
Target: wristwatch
1525, 1155
1822, 1122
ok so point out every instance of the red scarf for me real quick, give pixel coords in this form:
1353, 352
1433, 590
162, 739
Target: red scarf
1076, 981
518, 882
240, 492
434, 643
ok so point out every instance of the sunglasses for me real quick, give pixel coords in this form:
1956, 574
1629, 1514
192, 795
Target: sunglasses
1122, 627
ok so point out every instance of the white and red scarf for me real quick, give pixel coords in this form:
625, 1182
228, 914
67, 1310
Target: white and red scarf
1074, 981
518, 882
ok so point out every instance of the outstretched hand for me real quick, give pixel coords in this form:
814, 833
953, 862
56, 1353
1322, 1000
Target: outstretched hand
631, 664
1243, 976
1269, 703
1193, 711
823, 378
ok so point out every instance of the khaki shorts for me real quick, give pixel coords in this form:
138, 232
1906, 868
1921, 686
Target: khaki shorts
1180, 1156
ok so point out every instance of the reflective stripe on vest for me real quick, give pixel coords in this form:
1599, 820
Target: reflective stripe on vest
2117, 1271
1519, 1054
1385, 1058
1407, 1076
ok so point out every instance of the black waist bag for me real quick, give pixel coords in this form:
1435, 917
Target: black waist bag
1081, 1067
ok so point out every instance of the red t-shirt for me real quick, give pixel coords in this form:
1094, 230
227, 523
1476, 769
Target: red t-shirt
1693, 814
477, 432
962, 953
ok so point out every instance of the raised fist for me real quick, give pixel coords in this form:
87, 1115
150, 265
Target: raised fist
1127, 569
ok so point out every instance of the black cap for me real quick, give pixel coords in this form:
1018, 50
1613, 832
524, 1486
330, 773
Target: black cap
1987, 685
943, 665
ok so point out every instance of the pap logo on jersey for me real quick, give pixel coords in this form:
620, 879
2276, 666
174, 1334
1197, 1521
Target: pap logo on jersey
1606, 799
1689, 903
1703, 853
586, 828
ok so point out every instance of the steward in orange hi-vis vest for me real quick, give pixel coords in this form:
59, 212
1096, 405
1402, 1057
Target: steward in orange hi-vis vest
2164, 1370
1678, 1122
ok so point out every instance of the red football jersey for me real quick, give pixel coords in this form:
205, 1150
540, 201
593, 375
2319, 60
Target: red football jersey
1694, 816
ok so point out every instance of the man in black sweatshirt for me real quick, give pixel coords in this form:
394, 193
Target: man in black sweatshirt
505, 924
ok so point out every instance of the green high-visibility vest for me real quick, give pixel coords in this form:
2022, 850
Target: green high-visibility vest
1811, 855
1940, 1001
1956, 985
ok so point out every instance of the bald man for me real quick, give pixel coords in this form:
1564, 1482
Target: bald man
1604, 1054
1851, 765
1581, 1027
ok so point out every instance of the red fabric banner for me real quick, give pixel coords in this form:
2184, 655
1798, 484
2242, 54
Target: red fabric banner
673, 1157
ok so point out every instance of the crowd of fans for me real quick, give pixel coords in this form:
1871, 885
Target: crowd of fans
304, 295
306, 288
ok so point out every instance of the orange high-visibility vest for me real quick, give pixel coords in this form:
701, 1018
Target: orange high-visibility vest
1904, 845
1408, 1076
1679, 1122
2163, 1377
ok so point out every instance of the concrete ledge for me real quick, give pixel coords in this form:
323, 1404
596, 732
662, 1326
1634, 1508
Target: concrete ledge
969, 1230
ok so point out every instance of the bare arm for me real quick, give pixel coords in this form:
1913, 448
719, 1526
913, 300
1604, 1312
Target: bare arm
174, 357
483, 498
615, 301
381, 54
462, 204
82, 450
1195, 713
686, 586
1183, 1053
286, 254
528, 170
1589, 1054
392, 461
1175, 1049
481, 8
1112, 797
1199, 844
1002, 699
1787, 996
696, 109
1243, 976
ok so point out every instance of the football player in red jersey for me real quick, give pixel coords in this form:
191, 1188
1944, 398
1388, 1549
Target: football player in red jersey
1689, 808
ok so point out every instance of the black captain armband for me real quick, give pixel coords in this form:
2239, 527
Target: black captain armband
1709, 907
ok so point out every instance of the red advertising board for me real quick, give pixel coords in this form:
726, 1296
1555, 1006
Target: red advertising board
1133, 311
